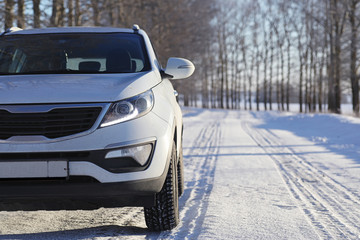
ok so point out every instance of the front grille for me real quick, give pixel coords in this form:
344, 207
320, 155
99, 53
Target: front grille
44, 156
56, 123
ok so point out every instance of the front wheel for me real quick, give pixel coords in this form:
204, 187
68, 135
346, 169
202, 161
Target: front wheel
165, 214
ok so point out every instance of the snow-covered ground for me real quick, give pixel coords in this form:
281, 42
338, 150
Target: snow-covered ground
249, 175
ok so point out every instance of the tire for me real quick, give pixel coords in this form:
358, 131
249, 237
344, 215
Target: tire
165, 214
180, 172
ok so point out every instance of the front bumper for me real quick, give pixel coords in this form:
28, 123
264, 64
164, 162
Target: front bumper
67, 195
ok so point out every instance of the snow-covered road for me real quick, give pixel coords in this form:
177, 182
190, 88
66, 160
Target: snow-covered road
249, 175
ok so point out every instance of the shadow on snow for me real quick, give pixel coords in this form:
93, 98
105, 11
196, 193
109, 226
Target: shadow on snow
86, 233
338, 134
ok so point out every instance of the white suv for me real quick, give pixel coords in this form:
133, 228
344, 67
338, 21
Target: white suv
89, 119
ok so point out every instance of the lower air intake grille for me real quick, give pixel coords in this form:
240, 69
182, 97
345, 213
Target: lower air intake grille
59, 122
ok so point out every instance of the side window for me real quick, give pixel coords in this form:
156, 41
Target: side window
5, 57
18, 61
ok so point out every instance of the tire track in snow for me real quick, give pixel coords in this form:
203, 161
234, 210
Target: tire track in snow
200, 160
329, 205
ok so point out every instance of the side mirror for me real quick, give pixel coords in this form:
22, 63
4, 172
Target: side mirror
179, 68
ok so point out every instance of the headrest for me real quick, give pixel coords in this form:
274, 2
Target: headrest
92, 66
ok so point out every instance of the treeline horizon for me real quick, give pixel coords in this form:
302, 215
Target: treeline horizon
246, 53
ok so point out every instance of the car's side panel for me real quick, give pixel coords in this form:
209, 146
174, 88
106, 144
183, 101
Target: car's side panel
167, 108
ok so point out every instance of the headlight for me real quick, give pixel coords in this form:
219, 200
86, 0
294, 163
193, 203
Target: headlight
128, 109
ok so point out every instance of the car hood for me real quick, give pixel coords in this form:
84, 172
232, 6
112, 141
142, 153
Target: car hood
74, 88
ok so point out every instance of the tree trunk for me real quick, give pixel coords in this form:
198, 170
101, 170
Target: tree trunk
250, 77
9, 15
337, 19
58, 13
186, 99
353, 58
246, 77
227, 88
112, 8
70, 14
320, 83
239, 89
244, 89
278, 79
235, 58
222, 105
330, 68
271, 70
257, 81
282, 88
288, 76
77, 13
311, 77
301, 85
337, 87
222, 78
249, 92
20, 18
306, 81
96, 12
213, 84
205, 82
313, 103
321, 97
265, 74
36, 10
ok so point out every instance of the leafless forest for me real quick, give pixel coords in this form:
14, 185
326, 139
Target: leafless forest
249, 54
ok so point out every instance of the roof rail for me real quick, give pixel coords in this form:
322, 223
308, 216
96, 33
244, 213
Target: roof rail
12, 29
136, 28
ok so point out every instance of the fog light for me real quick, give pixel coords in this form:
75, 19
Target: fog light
139, 153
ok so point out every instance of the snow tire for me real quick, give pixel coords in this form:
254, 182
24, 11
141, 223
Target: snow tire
180, 172
165, 214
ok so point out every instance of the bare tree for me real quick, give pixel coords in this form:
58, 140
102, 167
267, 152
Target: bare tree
265, 61
20, 14
58, 13
9, 15
70, 12
354, 25
96, 6
36, 13
289, 45
280, 85
77, 16
337, 17
271, 68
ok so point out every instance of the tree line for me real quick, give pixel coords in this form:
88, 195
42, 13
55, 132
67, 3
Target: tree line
272, 53
258, 54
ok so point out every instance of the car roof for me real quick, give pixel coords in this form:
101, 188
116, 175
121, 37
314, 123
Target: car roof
71, 30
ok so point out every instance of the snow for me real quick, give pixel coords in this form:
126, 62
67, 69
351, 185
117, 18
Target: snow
249, 175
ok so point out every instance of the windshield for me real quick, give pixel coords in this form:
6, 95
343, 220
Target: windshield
73, 53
